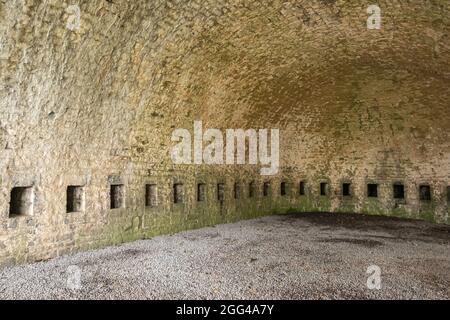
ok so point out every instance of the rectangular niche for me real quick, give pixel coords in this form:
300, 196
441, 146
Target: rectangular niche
237, 190
201, 192
399, 191
151, 195
117, 196
302, 188
220, 192
251, 189
75, 199
266, 189
323, 189
283, 191
21, 203
425, 192
372, 190
178, 193
346, 190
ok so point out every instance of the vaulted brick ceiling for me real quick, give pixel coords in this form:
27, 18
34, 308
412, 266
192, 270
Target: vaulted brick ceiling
137, 69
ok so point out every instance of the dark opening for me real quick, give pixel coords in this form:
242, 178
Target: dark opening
251, 189
425, 192
178, 193
116, 196
283, 188
75, 199
346, 191
323, 189
201, 192
399, 191
237, 190
151, 199
302, 188
266, 189
221, 192
448, 194
21, 203
372, 190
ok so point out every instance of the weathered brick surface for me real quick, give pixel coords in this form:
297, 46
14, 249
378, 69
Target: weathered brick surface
79, 107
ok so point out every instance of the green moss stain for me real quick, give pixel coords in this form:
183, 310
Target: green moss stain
373, 206
346, 205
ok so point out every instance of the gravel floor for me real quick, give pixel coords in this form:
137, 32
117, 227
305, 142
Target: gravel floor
298, 256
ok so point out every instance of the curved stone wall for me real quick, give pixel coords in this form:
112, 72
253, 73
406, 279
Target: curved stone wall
95, 105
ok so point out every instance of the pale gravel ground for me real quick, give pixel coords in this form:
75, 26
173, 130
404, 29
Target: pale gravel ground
298, 256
